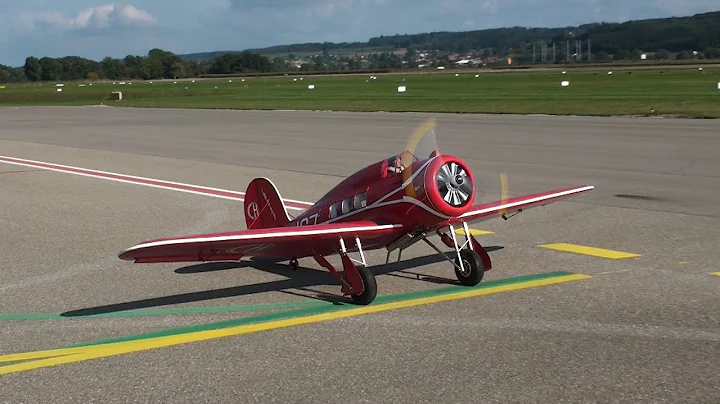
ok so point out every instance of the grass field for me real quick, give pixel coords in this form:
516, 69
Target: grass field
681, 92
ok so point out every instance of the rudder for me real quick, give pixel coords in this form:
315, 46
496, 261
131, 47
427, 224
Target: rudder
263, 205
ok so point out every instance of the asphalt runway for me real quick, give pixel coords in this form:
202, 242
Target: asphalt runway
644, 329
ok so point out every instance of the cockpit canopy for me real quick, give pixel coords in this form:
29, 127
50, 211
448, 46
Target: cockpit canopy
421, 145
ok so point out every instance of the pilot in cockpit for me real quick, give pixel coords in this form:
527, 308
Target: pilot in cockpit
395, 165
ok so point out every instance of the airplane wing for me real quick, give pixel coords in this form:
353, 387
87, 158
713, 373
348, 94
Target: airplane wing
490, 210
274, 242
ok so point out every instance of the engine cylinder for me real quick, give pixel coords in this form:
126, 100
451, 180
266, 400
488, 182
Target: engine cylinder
449, 185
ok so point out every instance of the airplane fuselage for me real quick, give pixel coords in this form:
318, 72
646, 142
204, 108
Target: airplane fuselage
416, 198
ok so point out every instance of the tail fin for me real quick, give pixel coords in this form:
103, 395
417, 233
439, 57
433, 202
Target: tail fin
263, 205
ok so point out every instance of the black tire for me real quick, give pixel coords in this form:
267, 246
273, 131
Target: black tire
474, 269
370, 292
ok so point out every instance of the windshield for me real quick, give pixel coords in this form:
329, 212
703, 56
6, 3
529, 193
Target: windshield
420, 145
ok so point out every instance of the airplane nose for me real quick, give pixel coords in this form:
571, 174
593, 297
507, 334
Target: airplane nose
449, 185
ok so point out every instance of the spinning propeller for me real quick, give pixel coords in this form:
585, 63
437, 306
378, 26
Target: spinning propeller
504, 193
504, 197
453, 181
412, 149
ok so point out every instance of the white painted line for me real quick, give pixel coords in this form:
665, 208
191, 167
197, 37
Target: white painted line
149, 182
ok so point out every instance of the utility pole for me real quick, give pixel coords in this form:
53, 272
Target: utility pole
533, 52
589, 51
578, 50
553, 52
567, 50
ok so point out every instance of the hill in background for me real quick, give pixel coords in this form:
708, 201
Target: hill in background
677, 35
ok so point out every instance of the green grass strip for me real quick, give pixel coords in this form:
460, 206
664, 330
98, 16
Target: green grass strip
683, 92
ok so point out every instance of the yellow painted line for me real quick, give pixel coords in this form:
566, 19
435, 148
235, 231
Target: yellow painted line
715, 273
474, 232
595, 252
34, 355
79, 354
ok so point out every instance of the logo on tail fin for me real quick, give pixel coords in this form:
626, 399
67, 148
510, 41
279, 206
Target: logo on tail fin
253, 211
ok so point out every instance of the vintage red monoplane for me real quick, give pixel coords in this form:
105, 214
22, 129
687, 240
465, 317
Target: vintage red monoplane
391, 204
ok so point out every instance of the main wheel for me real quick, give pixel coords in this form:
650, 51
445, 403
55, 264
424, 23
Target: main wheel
474, 270
294, 264
368, 295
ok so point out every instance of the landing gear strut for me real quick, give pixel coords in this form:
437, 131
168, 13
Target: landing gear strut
358, 283
471, 259
471, 262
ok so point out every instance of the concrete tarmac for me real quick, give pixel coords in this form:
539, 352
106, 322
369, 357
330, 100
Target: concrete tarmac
644, 329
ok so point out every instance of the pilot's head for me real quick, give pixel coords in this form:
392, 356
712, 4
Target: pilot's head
395, 165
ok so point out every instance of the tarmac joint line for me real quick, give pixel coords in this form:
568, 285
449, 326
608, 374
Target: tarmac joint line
54, 357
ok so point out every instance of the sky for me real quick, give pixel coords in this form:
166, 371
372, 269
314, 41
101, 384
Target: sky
96, 29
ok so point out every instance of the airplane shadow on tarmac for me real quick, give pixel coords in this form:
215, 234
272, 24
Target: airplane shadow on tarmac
302, 279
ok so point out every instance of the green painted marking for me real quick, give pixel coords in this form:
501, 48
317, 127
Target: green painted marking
223, 324
161, 312
328, 307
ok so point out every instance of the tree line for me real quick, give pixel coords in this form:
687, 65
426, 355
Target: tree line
158, 64
161, 64
697, 32
665, 38
677, 34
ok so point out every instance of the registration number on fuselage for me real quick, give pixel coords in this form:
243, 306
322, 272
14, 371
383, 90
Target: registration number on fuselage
309, 220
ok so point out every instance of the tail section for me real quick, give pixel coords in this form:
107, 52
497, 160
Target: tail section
263, 205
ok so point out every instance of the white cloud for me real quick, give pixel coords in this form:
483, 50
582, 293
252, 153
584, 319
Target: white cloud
100, 17
490, 6
329, 9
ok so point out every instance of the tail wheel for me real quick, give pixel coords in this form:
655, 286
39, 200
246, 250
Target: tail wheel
473, 268
370, 292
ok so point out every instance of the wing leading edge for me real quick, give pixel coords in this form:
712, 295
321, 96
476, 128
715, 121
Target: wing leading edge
276, 242
490, 210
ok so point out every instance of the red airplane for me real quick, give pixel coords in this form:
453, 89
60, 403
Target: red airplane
391, 204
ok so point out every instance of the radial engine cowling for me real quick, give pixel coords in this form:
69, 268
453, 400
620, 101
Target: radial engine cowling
449, 186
